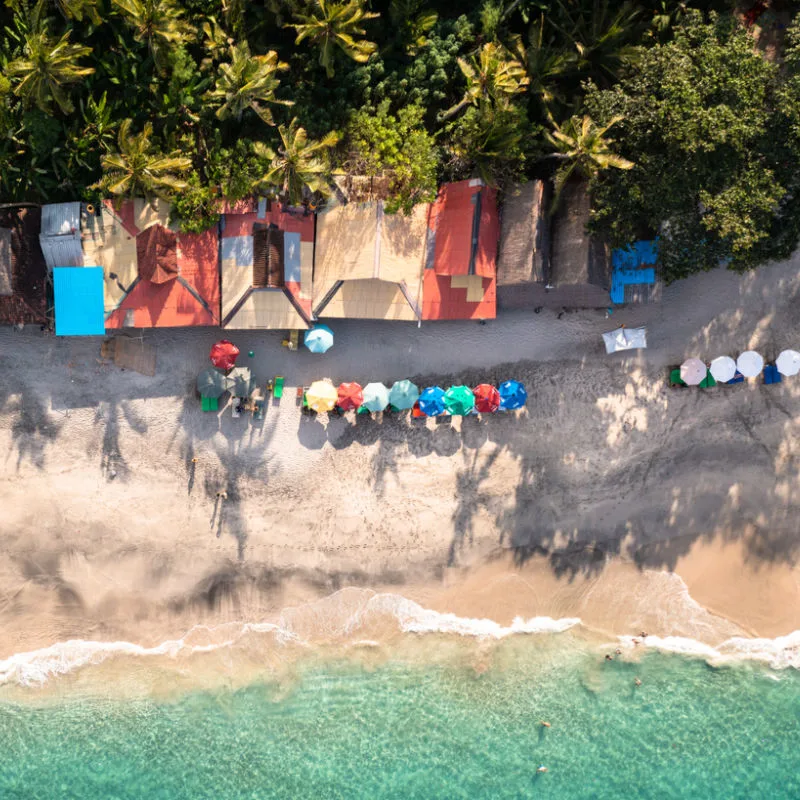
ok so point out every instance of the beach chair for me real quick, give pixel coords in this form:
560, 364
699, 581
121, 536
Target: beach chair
416, 413
708, 381
277, 387
675, 380
771, 374
258, 408
737, 378
362, 410
209, 404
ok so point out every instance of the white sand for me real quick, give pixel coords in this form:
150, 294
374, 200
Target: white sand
109, 531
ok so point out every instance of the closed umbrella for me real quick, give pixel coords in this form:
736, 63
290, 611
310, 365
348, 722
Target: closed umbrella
223, 354
487, 398
788, 362
431, 401
723, 369
319, 339
321, 396
376, 397
240, 382
211, 383
350, 396
403, 394
512, 395
459, 400
693, 371
750, 364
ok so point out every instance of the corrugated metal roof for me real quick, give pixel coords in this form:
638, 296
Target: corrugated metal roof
62, 251
6, 271
61, 218
78, 293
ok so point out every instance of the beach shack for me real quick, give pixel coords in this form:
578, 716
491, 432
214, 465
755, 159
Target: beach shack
267, 256
460, 278
368, 263
60, 236
23, 272
154, 275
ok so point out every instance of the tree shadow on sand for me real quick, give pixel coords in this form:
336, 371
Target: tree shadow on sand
33, 429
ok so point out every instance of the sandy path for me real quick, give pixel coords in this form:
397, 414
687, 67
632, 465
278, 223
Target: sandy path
109, 531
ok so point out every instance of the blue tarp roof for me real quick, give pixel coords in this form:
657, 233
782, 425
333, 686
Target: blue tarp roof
79, 301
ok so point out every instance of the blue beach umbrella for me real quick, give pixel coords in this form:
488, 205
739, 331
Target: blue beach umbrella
431, 401
319, 339
512, 395
403, 395
376, 397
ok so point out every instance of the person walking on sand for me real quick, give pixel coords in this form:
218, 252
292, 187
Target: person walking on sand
222, 494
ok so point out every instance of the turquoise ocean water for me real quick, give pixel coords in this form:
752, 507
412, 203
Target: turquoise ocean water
406, 729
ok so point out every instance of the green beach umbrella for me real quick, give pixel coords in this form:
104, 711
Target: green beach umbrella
211, 383
240, 382
459, 400
403, 395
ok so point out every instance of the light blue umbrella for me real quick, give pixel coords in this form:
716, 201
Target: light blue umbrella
376, 397
512, 395
403, 395
319, 339
431, 401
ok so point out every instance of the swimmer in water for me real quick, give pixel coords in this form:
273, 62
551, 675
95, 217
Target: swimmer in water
545, 724
637, 681
542, 768
609, 657
618, 651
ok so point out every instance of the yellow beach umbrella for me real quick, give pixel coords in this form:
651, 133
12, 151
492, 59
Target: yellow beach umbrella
322, 396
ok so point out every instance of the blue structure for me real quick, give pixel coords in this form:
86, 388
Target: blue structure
629, 267
512, 395
78, 295
319, 339
431, 401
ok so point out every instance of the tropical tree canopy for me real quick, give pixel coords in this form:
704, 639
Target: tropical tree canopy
158, 23
334, 25
248, 81
137, 169
298, 165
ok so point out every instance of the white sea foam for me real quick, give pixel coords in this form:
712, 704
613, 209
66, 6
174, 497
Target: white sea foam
781, 652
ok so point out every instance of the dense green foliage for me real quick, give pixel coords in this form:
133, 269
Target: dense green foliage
710, 125
201, 99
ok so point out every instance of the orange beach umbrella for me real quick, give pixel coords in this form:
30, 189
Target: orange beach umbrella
350, 396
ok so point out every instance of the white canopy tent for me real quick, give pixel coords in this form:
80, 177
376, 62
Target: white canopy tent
625, 339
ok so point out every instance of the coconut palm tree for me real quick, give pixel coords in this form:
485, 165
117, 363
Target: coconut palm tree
47, 67
297, 165
158, 23
330, 25
137, 169
582, 147
493, 75
247, 82
411, 21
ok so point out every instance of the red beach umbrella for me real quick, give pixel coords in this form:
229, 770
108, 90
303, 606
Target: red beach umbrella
223, 354
487, 398
351, 396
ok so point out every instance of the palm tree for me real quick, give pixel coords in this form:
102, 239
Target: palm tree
411, 21
494, 75
582, 147
47, 67
247, 82
158, 23
138, 170
331, 24
298, 164
77, 9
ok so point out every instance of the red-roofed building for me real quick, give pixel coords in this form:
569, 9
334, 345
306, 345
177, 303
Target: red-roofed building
153, 276
464, 231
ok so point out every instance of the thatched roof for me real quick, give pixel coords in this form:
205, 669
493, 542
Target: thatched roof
525, 235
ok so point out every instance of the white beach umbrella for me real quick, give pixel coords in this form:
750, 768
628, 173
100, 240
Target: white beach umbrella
788, 362
750, 364
693, 370
723, 369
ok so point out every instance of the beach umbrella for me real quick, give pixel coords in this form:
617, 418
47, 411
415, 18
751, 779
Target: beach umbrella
512, 395
322, 396
376, 397
750, 363
693, 371
240, 382
211, 383
431, 401
788, 362
723, 369
487, 398
403, 395
223, 354
319, 339
459, 400
350, 396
